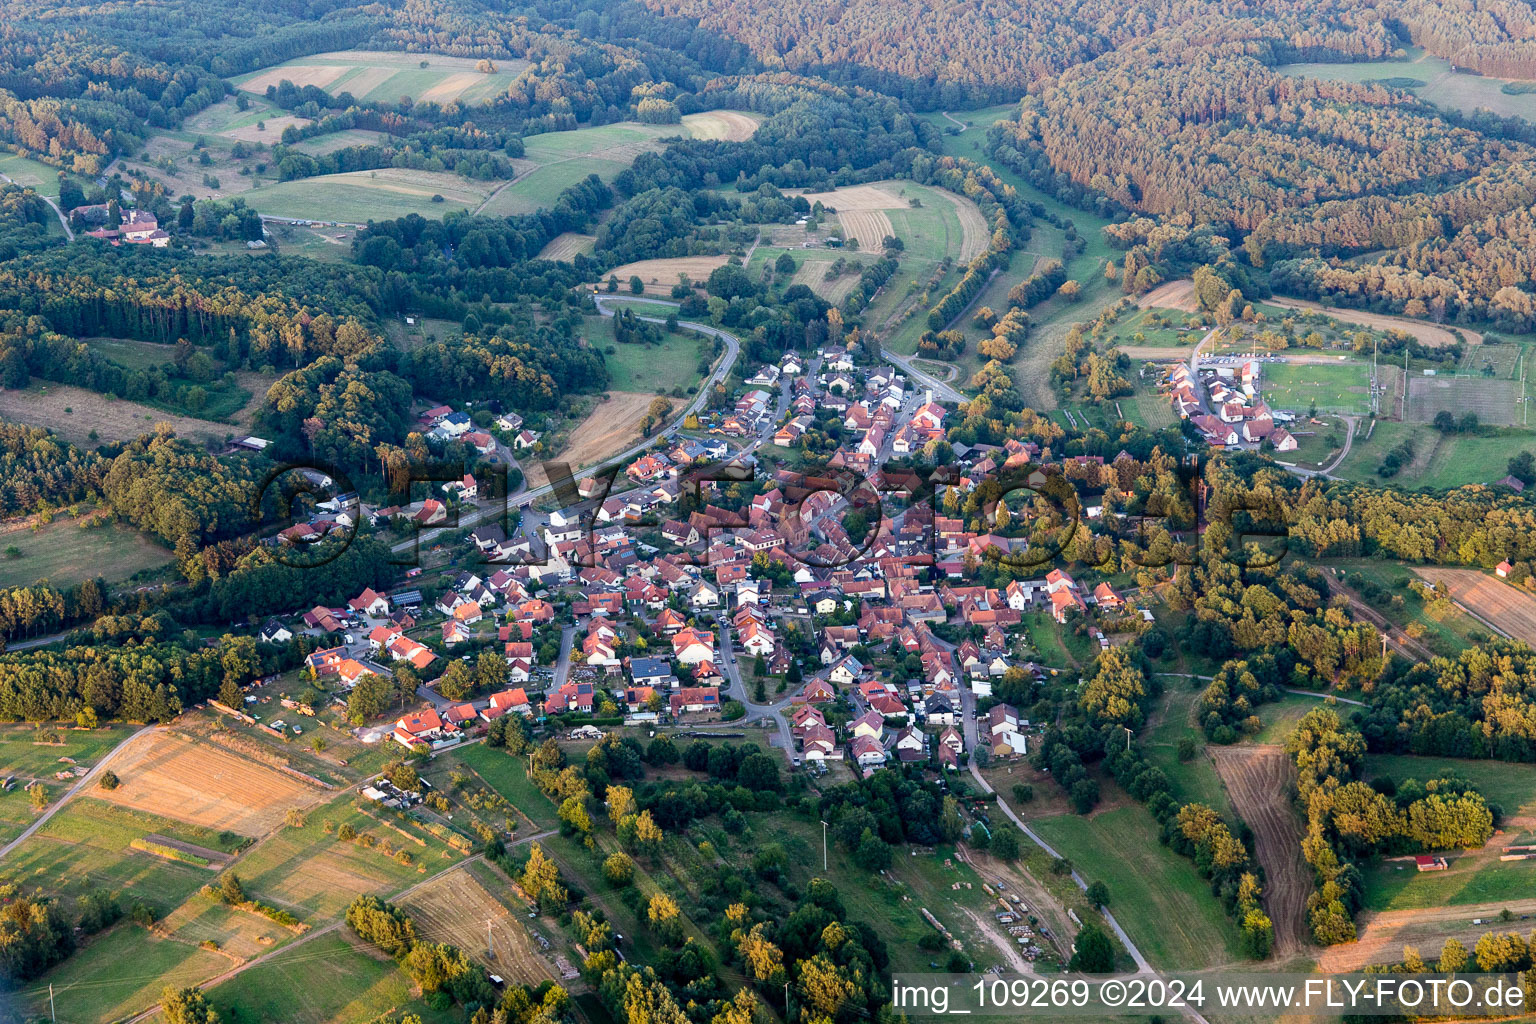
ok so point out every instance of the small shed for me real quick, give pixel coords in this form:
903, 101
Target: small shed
1428, 862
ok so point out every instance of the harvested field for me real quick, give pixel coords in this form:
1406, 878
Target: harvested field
111, 419
660, 275
859, 197
1178, 294
813, 274
450, 87
318, 75
386, 75
1383, 935
972, 223
355, 197
455, 909
237, 933
567, 245
1498, 604
1427, 333
612, 427
724, 125
274, 129
172, 775
1157, 353
870, 227
1258, 780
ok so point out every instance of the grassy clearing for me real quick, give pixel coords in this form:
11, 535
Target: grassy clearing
315, 874
1441, 460
539, 188
31, 752
64, 554
1431, 79
33, 174
509, 776
656, 369
1447, 630
892, 903
1511, 786
1165, 906
86, 846
1280, 717
361, 196
323, 144
559, 160
328, 981
1475, 876
1478, 877
118, 974
1194, 780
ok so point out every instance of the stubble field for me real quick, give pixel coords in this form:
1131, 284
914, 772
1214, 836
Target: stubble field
1511, 610
1258, 780
456, 908
171, 775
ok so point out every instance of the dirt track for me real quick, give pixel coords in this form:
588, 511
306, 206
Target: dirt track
1258, 779
1490, 599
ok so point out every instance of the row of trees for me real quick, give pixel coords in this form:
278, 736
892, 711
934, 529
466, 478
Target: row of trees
1348, 819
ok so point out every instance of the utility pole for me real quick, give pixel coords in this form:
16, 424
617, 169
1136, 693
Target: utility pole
1127, 738
51, 1014
490, 944
823, 846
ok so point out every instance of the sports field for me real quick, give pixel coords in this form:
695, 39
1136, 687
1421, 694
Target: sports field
385, 76
1337, 388
1494, 401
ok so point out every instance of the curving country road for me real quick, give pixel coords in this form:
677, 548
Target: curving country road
63, 220
940, 389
